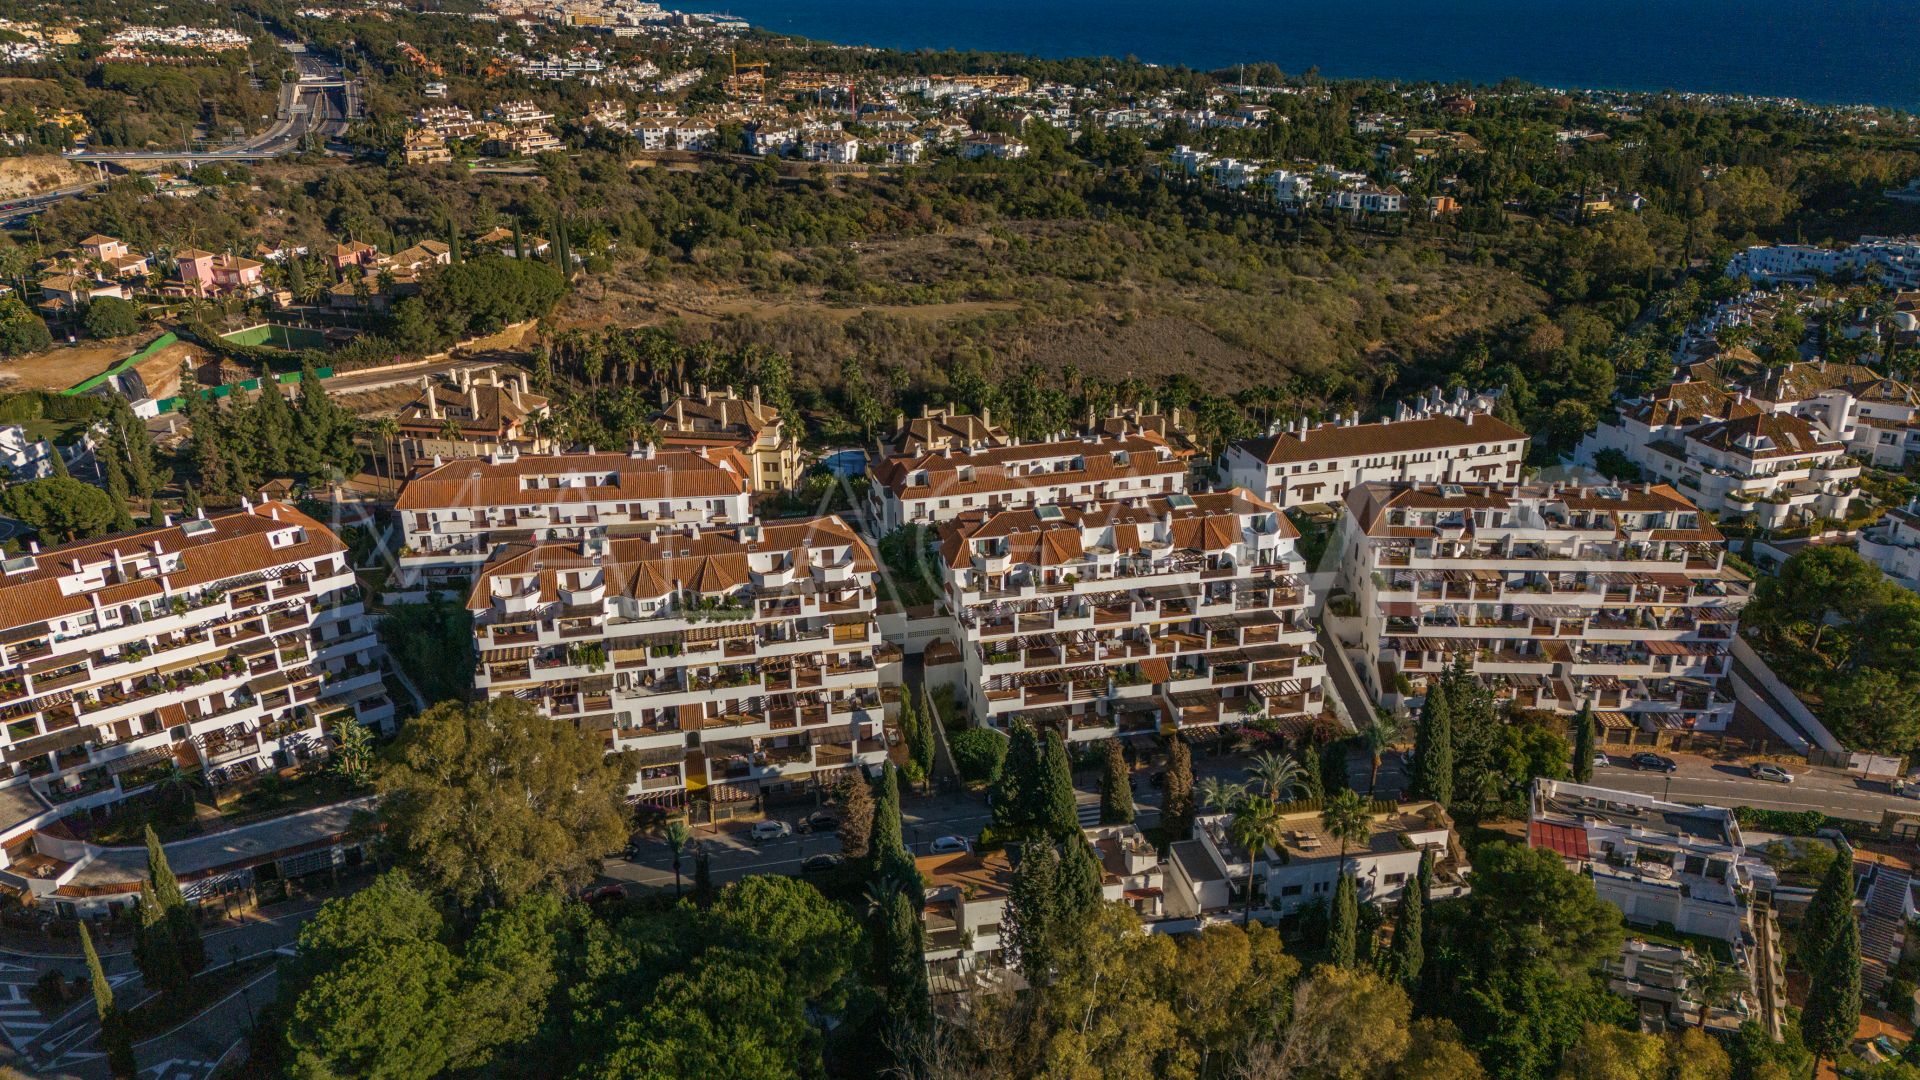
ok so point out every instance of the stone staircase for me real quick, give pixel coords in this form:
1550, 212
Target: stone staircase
1883, 923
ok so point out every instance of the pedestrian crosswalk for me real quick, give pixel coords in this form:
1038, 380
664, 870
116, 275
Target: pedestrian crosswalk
1089, 813
180, 1069
20, 1018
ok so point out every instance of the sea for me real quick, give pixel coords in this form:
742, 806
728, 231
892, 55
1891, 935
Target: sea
1824, 51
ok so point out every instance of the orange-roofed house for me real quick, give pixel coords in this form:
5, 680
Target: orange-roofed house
1556, 596
735, 662
215, 644
1134, 618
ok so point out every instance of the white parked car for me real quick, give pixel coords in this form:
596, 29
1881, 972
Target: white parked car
772, 830
950, 845
1600, 759
1771, 772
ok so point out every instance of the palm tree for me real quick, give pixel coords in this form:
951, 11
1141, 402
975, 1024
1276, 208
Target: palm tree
1217, 794
1256, 826
387, 430
1379, 733
1278, 775
677, 836
1349, 819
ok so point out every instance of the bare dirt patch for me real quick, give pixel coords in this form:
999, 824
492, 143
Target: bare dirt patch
23, 176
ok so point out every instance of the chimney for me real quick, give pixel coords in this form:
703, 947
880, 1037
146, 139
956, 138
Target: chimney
463, 376
433, 398
926, 411
900, 420
513, 389
437, 462
1471, 413
986, 418
703, 391
473, 401
679, 412
756, 395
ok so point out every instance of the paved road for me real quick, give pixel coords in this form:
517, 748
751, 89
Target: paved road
68, 1045
306, 105
1702, 780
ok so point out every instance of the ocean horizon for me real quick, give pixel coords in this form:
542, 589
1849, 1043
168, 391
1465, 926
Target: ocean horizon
1831, 52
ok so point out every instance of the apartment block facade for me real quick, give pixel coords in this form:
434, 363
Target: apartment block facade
1109, 618
230, 644
453, 515
1438, 442
734, 660
937, 486
1556, 597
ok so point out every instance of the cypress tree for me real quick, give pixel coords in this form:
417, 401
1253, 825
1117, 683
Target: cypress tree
702, 880
188, 947
1333, 767
1433, 748
190, 501
887, 854
1344, 933
1312, 784
115, 1039
153, 948
1116, 787
1176, 802
1055, 809
1832, 1013
1409, 952
519, 243
1032, 903
903, 967
1080, 877
116, 485
1019, 775
58, 461
453, 241
1583, 743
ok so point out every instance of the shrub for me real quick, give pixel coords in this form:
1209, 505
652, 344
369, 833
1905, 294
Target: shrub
978, 754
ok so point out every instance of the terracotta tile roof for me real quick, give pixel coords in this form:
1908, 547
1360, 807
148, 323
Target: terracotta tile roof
1765, 436
938, 429
717, 413
1687, 403
1388, 437
482, 482
1370, 503
497, 411
1208, 524
998, 468
709, 561
236, 544
1796, 382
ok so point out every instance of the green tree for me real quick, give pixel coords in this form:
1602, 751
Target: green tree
1433, 748
181, 925
60, 508
856, 816
1874, 709
110, 317
1176, 799
1055, 808
1583, 745
887, 854
154, 951
490, 801
901, 963
978, 754
1116, 786
1409, 952
1313, 784
1032, 912
353, 757
1342, 938
115, 484
1278, 776
115, 1039
677, 836
1257, 825
1013, 798
1831, 1016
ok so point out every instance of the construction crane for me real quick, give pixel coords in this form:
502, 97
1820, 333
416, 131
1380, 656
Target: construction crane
733, 58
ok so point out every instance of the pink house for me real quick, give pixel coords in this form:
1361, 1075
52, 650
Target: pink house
206, 273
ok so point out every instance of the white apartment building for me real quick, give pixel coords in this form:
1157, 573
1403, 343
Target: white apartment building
831, 147
735, 660
1433, 442
230, 644
1290, 188
1304, 868
933, 486
1556, 596
1658, 862
1893, 544
993, 145
1877, 418
1895, 261
454, 514
1112, 618
1736, 457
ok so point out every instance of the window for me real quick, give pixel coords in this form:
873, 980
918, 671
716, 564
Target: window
1395, 879
1290, 890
